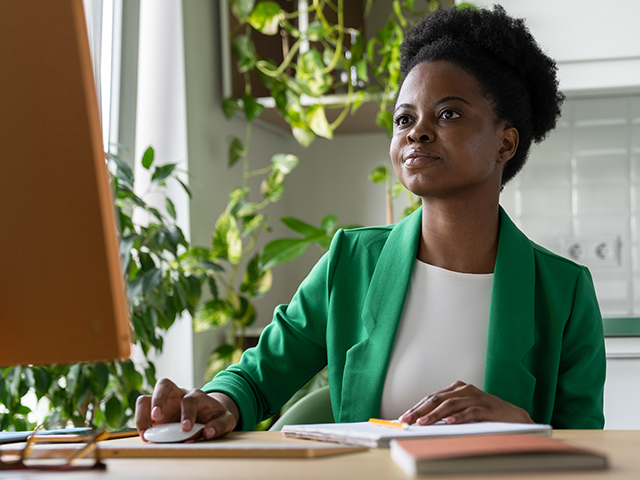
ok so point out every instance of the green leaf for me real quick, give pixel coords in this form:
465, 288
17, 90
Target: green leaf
329, 224
151, 280
132, 378
171, 208
147, 158
223, 357
379, 175
162, 172
213, 287
316, 31
282, 251
150, 373
123, 172
285, 162
213, 313
303, 228
265, 17
358, 100
236, 150
126, 192
226, 239
43, 380
318, 122
237, 198
114, 412
251, 108
397, 189
272, 187
310, 74
245, 315
102, 376
246, 210
230, 106
357, 48
384, 119
279, 94
132, 396
250, 224
256, 282
185, 187
371, 45
246, 53
134, 288
361, 70
304, 136
241, 9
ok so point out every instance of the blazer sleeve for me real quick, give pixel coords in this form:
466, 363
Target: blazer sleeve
580, 390
290, 351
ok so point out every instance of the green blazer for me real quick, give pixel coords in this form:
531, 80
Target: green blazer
545, 349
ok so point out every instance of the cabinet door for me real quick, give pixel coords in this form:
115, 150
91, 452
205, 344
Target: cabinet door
622, 387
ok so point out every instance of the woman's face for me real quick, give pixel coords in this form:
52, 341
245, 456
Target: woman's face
445, 138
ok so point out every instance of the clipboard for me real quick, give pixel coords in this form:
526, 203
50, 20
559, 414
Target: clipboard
233, 446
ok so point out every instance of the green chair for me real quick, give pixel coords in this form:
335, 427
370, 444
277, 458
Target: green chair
312, 408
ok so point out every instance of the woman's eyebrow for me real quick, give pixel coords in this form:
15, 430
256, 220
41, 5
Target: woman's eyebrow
449, 99
404, 105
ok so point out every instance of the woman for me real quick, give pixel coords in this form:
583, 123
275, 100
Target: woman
452, 314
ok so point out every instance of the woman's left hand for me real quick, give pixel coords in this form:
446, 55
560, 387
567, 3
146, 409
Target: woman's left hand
462, 403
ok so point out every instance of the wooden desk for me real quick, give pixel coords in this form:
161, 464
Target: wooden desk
622, 447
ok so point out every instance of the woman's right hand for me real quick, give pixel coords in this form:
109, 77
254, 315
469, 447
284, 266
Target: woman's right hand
170, 403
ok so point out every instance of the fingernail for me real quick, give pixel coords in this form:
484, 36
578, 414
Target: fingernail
450, 420
186, 425
209, 432
424, 420
156, 413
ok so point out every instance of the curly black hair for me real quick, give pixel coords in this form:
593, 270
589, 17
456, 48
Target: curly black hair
503, 56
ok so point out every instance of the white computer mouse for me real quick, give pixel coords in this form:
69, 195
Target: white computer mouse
172, 433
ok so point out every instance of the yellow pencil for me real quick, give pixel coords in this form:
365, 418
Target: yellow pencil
388, 423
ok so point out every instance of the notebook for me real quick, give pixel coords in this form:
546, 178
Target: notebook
491, 453
370, 435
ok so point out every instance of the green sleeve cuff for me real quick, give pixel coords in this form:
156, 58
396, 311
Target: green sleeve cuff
233, 385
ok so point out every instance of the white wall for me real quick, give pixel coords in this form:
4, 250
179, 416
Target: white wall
596, 43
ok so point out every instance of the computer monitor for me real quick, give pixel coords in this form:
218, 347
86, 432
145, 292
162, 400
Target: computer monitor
62, 297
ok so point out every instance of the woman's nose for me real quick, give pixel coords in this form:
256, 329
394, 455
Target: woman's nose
421, 133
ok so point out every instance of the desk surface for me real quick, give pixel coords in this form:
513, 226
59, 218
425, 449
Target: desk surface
622, 447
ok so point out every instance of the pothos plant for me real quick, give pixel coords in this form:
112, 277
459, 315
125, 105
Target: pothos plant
318, 61
163, 281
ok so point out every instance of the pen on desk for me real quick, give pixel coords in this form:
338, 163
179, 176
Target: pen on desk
388, 423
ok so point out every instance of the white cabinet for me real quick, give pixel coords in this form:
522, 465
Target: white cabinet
622, 388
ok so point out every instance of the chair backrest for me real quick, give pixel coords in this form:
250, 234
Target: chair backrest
312, 408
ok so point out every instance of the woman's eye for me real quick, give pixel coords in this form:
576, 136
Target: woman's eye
402, 120
449, 114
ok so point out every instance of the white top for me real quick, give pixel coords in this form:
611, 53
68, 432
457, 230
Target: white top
442, 336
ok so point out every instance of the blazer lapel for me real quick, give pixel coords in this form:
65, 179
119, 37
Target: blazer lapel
511, 321
367, 361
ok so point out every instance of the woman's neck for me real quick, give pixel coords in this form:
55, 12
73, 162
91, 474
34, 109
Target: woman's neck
460, 236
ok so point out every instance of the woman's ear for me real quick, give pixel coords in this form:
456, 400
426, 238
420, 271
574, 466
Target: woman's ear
510, 139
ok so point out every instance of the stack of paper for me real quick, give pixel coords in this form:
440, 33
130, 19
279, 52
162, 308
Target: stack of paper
370, 435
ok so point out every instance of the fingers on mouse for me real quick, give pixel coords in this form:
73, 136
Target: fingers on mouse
172, 433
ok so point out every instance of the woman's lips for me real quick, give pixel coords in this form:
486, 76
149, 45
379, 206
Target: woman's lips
419, 159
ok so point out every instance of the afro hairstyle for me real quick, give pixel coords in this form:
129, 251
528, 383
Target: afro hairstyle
498, 50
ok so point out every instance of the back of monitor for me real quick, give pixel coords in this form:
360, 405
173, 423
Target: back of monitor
62, 296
